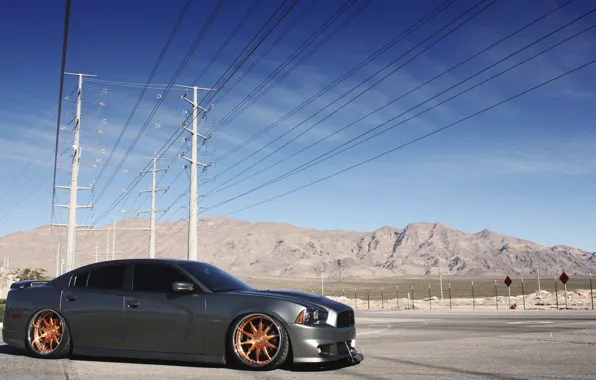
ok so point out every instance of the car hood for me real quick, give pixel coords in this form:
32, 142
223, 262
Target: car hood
306, 299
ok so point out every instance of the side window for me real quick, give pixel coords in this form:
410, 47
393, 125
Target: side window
109, 277
155, 278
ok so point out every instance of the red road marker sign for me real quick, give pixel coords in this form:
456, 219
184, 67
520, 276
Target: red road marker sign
508, 281
564, 278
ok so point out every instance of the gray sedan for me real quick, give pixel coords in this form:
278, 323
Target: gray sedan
175, 310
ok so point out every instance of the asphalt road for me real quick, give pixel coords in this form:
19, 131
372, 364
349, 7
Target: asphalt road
445, 345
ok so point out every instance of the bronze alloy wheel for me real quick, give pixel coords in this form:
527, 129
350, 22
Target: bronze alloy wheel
257, 340
45, 332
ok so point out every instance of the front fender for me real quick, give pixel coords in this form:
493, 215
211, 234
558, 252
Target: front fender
224, 309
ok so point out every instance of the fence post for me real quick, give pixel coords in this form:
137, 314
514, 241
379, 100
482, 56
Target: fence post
591, 292
556, 293
473, 297
343, 292
397, 296
382, 297
523, 293
413, 306
368, 296
496, 296
449, 296
430, 301
355, 299
565, 285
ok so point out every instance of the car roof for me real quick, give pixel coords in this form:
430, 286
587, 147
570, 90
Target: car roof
129, 261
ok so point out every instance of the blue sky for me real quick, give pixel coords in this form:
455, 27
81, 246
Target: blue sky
525, 168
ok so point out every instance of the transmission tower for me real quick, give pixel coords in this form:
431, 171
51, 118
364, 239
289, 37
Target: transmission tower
192, 220
152, 211
74, 188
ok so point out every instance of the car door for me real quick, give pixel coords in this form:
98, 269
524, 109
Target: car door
156, 318
93, 306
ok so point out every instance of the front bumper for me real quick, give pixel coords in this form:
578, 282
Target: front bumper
323, 344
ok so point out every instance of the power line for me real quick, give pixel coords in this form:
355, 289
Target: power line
181, 66
415, 140
290, 27
62, 69
373, 56
256, 95
151, 75
362, 82
220, 84
226, 42
222, 186
312, 162
222, 80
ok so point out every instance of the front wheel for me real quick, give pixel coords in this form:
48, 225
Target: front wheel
48, 335
260, 342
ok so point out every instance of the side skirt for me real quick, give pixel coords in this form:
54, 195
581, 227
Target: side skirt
149, 355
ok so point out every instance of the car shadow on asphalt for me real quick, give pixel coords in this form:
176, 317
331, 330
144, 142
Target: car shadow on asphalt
334, 366
8, 350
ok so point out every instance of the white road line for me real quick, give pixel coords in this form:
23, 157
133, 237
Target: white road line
529, 322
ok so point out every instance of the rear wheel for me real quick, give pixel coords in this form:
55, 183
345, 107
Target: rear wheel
260, 342
48, 335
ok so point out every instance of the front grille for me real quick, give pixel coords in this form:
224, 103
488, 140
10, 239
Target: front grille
345, 319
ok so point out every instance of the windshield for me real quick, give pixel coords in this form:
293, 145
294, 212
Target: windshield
215, 278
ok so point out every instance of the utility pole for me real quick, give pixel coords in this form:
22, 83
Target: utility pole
441, 281
58, 268
96, 252
74, 177
192, 220
152, 211
113, 240
108, 244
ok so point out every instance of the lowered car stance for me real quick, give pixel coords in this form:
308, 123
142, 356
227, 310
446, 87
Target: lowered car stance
175, 310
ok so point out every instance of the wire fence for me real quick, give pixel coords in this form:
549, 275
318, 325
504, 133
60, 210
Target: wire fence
482, 294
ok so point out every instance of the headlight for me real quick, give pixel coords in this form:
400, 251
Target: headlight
312, 317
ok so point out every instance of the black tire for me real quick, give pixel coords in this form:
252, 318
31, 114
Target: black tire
282, 342
62, 350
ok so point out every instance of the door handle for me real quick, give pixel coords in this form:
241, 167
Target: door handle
71, 298
133, 304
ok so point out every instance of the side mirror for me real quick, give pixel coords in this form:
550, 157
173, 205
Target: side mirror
182, 286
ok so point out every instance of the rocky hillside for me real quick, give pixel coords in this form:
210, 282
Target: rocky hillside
279, 249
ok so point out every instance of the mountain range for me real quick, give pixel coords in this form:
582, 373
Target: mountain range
280, 249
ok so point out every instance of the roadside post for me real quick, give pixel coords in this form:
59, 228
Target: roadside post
508, 283
368, 296
355, 300
556, 293
449, 296
430, 301
564, 278
496, 296
591, 292
413, 306
382, 298
523, 293
397, 296
473, 297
